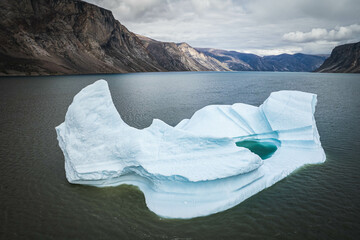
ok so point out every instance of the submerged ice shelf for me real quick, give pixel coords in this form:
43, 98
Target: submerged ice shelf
221, 156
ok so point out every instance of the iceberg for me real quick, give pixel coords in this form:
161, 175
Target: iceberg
211, 162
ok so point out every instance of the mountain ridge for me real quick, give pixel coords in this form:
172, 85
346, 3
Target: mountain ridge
53, 37
343, 59
180, 56
238, 61
67, 37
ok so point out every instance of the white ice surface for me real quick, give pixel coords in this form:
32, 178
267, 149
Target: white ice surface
195, 168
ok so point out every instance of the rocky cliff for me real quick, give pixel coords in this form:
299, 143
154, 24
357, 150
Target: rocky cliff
343, 59
201, 58
67, 37
250, 62
180, 57
41, 37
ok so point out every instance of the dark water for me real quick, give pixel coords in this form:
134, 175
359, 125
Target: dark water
36, 201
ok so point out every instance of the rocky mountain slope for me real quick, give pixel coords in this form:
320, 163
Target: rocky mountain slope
66, 37
180, 57
42, 37
250, 62
343, 59
201, 58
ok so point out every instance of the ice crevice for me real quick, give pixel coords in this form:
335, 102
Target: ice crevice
211, 162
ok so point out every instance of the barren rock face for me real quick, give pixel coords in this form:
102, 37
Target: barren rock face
41, 37
198, 57
344, 58
181, 56
67, 37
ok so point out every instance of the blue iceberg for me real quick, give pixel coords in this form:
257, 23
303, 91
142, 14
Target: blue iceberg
215, 160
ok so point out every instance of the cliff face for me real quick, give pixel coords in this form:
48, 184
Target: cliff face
41, 37
67, 37
180, 57
202, 59
343, 59
166, 54
250, 62
232, 59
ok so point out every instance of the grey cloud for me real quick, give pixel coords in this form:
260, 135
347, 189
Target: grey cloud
153, 10
331, 11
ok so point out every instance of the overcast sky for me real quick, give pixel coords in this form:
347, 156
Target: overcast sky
256, 26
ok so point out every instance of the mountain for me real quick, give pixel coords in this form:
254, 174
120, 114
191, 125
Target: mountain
42, 37
230, 58
180, 57
343, 59
293, 63
67, 37
250, 62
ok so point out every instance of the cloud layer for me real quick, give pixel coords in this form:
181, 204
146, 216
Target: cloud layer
257, 26
351, 32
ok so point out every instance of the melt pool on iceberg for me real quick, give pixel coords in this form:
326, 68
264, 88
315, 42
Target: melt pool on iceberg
215, 160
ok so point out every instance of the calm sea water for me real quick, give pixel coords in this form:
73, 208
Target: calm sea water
36, 201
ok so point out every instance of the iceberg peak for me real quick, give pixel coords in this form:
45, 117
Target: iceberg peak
205, 164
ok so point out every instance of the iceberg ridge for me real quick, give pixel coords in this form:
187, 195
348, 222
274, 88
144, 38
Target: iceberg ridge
221, 156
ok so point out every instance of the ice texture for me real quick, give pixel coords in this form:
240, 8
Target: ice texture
203, 165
